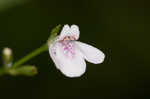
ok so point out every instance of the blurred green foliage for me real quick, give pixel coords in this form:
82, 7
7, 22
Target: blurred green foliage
8, 4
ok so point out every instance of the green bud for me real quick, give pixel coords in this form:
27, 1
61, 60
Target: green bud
7, 57
54, 33
23, 70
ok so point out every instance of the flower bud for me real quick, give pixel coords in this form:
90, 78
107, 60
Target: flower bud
23, 70
7, 56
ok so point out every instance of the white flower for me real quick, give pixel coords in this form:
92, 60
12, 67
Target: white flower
69, 55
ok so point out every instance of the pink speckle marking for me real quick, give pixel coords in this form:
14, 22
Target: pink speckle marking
68, 48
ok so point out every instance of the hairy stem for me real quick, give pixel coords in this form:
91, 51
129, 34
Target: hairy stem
31, 55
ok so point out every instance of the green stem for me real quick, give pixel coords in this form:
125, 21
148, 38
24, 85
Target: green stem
31, 55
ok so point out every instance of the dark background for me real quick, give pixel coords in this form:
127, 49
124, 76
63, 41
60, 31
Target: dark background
120, 28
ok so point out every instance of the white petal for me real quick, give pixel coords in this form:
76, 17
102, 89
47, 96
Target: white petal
91, 54
52, 52
71, 67
75, 31
64, 32
69, 31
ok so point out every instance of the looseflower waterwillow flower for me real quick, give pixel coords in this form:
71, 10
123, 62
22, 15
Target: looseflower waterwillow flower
69, 55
